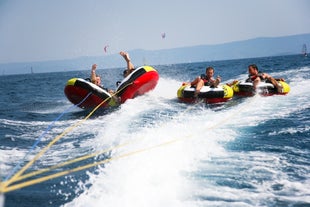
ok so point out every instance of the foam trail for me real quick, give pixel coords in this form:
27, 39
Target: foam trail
154, 177
197, 169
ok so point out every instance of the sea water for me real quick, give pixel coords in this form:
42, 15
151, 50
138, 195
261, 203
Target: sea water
159, 152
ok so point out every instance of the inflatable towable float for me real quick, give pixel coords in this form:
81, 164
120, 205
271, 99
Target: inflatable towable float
140, 81
88, 95
263, 88
208, 94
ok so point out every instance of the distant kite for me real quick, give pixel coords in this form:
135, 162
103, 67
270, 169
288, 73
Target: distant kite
163, 35
106, 48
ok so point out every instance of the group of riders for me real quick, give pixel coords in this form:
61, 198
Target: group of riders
207, 79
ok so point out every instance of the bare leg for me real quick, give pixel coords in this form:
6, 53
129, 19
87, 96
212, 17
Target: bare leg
93, 73
255, 83
276, 84
194, 82
198, 82
199, 85
130, 66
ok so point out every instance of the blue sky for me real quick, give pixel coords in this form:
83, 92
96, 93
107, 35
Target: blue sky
39, 30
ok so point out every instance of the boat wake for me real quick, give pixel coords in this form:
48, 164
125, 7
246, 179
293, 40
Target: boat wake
176, 154
166, 153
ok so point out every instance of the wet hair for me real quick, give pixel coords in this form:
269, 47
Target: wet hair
209, 68
253, 66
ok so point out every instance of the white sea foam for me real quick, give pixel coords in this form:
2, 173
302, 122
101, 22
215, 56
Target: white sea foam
190, 141
164, 151
154, 176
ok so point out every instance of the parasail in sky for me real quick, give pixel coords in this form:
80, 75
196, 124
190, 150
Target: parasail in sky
106, 48
163, 35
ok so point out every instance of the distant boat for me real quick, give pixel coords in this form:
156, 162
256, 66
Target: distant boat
31, 70
304, 50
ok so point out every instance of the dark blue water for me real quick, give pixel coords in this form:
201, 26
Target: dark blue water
247, 152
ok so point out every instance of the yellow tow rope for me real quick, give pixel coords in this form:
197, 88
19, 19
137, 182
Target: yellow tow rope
16, 176
4, 186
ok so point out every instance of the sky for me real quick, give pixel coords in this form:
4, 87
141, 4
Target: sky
40, 30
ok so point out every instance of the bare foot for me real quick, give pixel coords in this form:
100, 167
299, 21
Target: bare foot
125, 56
